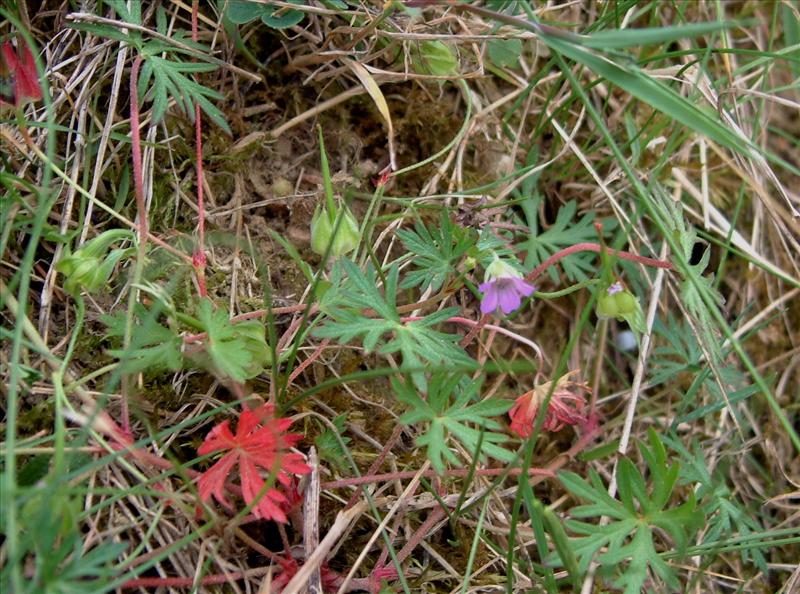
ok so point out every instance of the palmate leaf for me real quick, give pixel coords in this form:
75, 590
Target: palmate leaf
725, 515
458, 419
541, 244
630, 537
153, 348
386, 333
167, 73
694, 284
169, 81
678, 354
437, 251
238, 351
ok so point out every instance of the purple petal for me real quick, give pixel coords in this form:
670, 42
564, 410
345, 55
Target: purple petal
509, 298
523, 288
489, 301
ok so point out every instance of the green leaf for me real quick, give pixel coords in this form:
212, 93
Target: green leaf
285, 17
241, 12
438, 250
329, 443
561, 542
153, 348
540, 245
238, 351
435, 57
504, 53
694, 284
449, 412
725, 515
635, 37
170, 81
385, 333
630, 538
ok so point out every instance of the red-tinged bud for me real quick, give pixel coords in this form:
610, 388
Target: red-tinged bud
383, 178
199, 259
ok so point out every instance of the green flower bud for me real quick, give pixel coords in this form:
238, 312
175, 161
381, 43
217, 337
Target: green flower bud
500, 269
435, 57
621, 304
90, 267
84, 273
347, 235
626, 303
322, 228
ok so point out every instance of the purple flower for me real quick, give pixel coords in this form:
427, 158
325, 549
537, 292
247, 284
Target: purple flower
504, 288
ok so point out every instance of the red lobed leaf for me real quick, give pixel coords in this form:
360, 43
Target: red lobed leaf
259, 444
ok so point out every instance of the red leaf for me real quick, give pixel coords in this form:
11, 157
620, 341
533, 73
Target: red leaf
289, 567
260, 444
21, 66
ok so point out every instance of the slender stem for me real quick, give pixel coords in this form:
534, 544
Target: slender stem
560, 255
199, 256
136, 154
393, 439
187, 582
407, 474
141, 208
317, 352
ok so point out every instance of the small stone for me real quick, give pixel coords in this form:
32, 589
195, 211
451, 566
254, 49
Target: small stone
626, 341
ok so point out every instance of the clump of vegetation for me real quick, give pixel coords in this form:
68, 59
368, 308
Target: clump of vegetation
271, 322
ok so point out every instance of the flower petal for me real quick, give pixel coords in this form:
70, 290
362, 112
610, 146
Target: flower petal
522, 287
490, 295
509, 297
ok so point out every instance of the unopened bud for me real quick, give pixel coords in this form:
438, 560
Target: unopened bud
322, 230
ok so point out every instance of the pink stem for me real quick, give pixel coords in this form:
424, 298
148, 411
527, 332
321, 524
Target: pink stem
187, 582
199, 257
398, 431
578, 247
141, 207
136, 150
407, 474
315, 355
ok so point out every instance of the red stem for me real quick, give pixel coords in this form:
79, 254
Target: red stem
377, 463
199, 257
136, 152
141, 207
407, 474
578, 247
299, 369
186, 582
